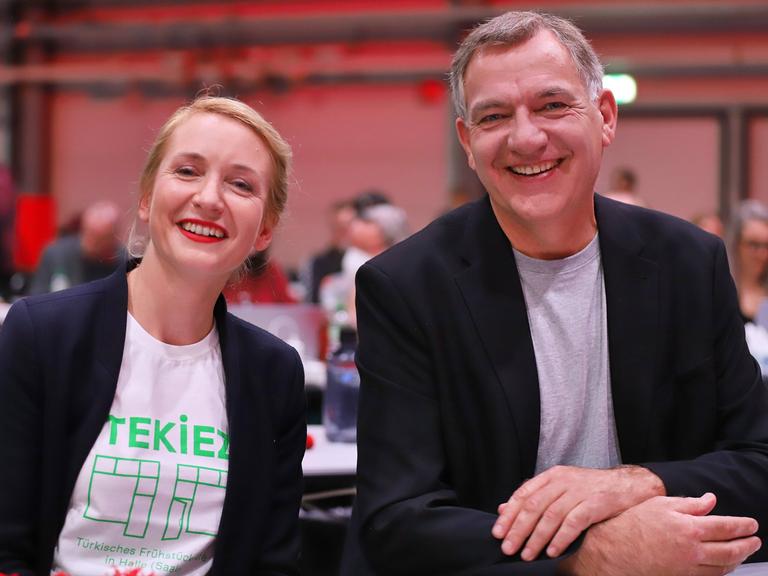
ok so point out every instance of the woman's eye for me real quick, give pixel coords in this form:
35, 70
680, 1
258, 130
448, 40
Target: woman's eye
242, 185
185, 171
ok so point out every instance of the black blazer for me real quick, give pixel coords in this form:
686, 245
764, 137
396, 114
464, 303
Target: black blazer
60, 357
449, 405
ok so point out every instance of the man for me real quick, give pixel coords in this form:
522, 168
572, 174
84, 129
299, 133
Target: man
91, 254
553, 382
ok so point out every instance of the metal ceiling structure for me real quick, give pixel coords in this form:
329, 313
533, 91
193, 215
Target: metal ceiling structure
75, 42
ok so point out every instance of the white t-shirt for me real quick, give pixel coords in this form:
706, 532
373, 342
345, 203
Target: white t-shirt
151, 491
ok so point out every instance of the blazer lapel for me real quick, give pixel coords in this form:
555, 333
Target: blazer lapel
632, 295
251, 453
98, 388
491, 289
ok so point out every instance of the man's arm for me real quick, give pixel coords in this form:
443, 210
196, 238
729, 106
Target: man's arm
550, 511
736, 470
665, 537
411, 519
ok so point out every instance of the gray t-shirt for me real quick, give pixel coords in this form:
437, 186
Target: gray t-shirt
567, 316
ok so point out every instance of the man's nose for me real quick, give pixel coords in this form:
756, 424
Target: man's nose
525, 136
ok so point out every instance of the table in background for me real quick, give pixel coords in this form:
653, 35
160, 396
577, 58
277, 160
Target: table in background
756, 569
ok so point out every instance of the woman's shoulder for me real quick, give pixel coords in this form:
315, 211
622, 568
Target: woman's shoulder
69, 302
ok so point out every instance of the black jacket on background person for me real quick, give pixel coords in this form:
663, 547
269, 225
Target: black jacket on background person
60, 357
449, 402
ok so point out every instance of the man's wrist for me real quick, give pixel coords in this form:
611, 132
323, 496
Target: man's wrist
644, 481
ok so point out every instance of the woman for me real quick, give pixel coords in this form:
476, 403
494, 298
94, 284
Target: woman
142, 426
751, 244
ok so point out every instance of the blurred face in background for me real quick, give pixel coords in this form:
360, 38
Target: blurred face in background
366, 236
753, 248
340, 222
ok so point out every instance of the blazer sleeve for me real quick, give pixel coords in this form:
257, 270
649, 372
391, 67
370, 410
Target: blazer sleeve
20, 439
736, 470
410, 518
280, 555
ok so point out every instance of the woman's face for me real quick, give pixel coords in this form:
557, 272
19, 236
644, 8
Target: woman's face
753, 248
206, 211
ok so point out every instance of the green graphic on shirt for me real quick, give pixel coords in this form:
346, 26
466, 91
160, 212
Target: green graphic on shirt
192, 482
132, 487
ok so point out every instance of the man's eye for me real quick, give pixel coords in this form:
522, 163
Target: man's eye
490, 118
553, 106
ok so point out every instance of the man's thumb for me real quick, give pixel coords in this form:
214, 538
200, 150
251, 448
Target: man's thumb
700, 506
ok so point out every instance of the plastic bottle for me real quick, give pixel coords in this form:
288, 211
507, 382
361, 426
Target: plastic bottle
342, 390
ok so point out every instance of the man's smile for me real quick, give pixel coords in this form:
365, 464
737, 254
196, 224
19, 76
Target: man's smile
534, 169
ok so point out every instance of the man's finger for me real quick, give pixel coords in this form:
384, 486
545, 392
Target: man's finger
508, 511
577, 520
528, 517
721, 528
549, 523
700, 506
728, 553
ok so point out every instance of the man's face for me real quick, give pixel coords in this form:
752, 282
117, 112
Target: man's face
533, 135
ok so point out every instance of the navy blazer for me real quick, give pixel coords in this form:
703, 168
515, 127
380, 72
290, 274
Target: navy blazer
60, 357
449, 402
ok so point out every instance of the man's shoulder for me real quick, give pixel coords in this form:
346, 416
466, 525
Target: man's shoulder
661, 233
439, 242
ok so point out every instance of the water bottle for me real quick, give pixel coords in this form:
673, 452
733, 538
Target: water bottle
342, 390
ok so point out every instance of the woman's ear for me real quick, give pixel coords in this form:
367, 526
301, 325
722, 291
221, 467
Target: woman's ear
144, 206
264, 239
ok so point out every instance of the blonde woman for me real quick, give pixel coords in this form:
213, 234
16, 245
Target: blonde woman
142, 426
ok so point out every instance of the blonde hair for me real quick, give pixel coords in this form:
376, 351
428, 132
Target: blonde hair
279, 151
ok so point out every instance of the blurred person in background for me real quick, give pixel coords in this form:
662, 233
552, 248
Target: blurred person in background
623, 187
750, 248
710, 222
750, 255
376, 228
328, 261
7, 206
135, 411
262, 282
93, 253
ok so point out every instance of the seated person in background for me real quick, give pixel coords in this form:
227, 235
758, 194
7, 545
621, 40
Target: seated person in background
751, 252
262, 282
623, 187
141, 424
93, 253
552, 382
376, 228
710, 222
329, 260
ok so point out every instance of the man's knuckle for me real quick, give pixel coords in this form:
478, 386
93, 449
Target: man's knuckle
552, 514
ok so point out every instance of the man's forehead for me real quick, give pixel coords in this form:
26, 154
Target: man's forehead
546, 42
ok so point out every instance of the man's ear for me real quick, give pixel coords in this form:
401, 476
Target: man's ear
462, 130
609, 110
